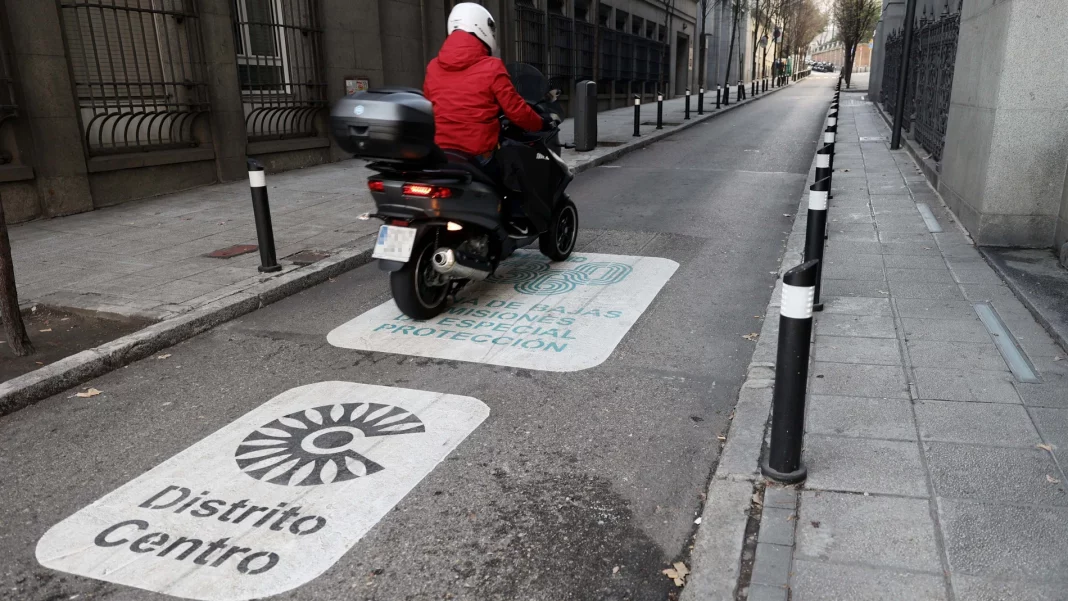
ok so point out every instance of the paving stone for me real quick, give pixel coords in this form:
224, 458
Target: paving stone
818, 581
875, 530
848, 349
975, 273
999, 296
996, 474
777, 526
855, 305
843, 270
780, 497
862, 326
957, 385
957, 330
934, 309
772, 564
840, 234
844, 379
767, 592
908, 248
932, 290
1053, 426
956, 355
864, 465
972, 588
976, 423
1005, 541
934, 276
860, 417
852, 248
1047, 394
912, 263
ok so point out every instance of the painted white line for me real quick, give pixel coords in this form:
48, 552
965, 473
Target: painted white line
531, 314
271, 500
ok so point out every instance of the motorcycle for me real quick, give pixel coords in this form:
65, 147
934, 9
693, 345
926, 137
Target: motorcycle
445, 222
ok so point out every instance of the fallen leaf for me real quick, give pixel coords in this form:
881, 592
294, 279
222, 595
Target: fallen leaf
39, 362
677, 573
697, 521
815, 524
45, 330
752, 336
1052, 480
163, 356
1045, 447
722, 437
1058, 358
615, 570
33, 309
756, 499
88, 393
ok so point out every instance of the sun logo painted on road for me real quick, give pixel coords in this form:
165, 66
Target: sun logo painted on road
321, 445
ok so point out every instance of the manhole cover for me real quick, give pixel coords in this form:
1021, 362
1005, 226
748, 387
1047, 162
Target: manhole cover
233, 251
307, 257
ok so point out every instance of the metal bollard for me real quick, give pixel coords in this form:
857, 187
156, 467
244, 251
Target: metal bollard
637, 115
262, 212
726, 95
660, 110
719, 94
701, 100
823, 165
783, 462
816, 231
832, 132
687, 117
765, 82
753, 88
741, 90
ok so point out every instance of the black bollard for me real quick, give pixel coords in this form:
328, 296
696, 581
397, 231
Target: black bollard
823, 165
719, 95
816, 232
262, 212
701, 101
687, 117
765, 81
660, 110
752, 88
637, 115
783, 462
726, 95
829, 136
741, 90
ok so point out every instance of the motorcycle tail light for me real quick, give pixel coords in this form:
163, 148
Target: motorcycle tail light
376, 185
427, 191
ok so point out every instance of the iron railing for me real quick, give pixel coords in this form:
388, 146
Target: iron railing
530, 36
561, 52
930, 78
585, 34
609, 54
280, 66
937, 53
138, 72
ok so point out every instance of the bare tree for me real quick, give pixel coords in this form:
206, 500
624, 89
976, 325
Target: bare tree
9, 297
738, 8
855, 21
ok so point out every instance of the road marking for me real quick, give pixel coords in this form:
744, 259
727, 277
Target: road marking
271, 500
531, 314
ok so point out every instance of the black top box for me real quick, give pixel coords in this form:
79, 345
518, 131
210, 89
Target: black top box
393, 124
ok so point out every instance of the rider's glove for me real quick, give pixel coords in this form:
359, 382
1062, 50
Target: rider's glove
547, 124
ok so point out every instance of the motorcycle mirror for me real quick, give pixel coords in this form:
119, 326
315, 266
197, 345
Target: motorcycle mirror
554, 94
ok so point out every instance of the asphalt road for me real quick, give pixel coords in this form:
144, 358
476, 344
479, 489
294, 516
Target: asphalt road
571, 476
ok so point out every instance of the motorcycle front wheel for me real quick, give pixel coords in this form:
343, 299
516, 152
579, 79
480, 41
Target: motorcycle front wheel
419, 291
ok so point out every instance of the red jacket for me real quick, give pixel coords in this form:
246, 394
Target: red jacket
468, 89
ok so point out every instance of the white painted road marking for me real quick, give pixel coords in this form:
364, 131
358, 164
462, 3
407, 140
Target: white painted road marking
531, 314
271, 500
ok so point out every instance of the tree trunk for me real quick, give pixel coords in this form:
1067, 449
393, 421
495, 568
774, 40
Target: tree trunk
15, 330
730, 49
701, 49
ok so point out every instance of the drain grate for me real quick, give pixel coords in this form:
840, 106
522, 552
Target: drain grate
1018, 362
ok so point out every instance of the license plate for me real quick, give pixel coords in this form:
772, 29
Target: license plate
394, 243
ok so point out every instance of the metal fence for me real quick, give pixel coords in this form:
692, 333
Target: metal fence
561, 52
930, 78
9, 108
280, 68
530, 36
138, 72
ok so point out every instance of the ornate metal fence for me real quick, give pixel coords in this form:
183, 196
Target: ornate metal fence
937, 53
138, 72
930, 78
530, 36
279, 65
9, 108
584, 40
561, 52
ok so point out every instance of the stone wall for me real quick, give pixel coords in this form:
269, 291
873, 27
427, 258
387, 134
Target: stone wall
1003, 170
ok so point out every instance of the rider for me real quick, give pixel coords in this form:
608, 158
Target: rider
469, 87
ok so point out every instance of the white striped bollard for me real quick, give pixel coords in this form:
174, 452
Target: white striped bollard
783, 461
637, 115
261, 210
687, 116
816, 232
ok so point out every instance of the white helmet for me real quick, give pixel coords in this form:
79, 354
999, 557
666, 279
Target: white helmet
474, 19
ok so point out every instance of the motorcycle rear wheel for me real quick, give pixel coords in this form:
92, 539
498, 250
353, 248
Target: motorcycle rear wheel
419, 291
558, 241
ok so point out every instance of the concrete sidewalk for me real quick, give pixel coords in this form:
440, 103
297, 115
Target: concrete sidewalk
934, 471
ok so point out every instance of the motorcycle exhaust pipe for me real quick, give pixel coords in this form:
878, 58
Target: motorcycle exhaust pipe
444, 262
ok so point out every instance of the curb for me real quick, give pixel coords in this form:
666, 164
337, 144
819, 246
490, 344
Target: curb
23, 391
733, 497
